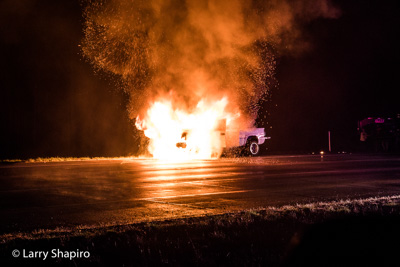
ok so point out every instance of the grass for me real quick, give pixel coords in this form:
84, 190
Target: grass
59, 159
323, 233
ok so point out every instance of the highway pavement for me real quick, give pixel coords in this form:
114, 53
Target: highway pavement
92, 193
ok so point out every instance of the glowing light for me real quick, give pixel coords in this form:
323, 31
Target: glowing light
176, 134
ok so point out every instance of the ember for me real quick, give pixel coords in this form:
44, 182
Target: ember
205, 52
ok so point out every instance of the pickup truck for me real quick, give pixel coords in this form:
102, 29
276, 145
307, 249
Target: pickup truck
248, 141
252, 139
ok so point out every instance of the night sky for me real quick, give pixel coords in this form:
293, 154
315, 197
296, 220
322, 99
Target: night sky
351, 73
53, 103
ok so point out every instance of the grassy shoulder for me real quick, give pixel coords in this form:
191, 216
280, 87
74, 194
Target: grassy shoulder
60, 159
340, 233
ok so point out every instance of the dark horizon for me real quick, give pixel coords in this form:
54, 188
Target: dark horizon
53, 103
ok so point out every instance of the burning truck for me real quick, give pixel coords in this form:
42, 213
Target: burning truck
204, 132
249, 141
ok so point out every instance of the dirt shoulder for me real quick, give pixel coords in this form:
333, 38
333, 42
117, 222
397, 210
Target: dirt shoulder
345, 233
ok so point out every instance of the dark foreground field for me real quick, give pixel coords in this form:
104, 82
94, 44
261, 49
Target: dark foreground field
344, 233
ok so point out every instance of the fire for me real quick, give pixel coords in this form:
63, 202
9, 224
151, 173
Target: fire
179, 135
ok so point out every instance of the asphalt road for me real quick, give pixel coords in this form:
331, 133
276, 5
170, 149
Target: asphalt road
120, 191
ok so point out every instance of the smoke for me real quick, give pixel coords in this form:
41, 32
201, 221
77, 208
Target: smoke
191, 49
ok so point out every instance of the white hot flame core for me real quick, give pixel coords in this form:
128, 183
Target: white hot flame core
167, 126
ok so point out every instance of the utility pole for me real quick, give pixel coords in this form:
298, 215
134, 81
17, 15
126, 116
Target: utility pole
329, 140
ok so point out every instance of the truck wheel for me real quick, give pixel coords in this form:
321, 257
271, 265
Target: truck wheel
254, 148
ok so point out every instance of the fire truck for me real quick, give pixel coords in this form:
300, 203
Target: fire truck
380, 134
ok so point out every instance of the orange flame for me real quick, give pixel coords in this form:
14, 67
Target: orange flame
178, 135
